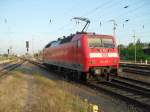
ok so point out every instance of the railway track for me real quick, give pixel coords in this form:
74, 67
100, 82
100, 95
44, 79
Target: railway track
10, 67
145, 86
130, 95
136, 69
145, 67
134, 92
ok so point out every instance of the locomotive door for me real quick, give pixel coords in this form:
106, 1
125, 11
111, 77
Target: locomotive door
77, 52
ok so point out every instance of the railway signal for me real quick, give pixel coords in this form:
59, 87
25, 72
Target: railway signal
27, 46
8, 51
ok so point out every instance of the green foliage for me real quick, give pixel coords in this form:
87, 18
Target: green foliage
128, 52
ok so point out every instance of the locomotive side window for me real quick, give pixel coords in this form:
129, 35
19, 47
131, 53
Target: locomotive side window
78, 43
107, 42
48, 45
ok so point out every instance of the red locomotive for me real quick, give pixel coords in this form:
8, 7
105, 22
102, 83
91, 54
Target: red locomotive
85, 54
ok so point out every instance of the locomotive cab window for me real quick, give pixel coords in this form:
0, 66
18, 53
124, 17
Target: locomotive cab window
100, 42
94, 42
108, 42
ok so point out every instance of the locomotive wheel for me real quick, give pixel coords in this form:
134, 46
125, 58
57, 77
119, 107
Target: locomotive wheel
107, 77
114, 72
74, 75
84, 76
78, 76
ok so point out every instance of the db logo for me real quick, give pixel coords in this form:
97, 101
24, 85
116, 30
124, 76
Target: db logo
104, 54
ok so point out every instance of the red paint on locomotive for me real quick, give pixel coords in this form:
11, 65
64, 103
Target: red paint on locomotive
84, 52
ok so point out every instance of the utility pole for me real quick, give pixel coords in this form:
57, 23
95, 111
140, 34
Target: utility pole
100, 24
8, 51
134, 47
33, 46
114, 32
114, 27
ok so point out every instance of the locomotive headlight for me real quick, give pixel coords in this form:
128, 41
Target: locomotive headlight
97, 71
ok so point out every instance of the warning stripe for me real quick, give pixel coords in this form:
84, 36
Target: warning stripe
100, 55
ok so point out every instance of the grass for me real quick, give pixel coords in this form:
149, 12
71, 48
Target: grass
12, 94
35, 93
53, 99
2, 58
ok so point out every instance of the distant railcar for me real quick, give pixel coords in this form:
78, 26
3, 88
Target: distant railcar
87, 54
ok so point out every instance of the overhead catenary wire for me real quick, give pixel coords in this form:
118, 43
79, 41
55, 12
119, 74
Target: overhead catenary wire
102, 13
105, 21
89, 12
66, 13
128, 12
109, 8
106, 5
122, 16
97, 8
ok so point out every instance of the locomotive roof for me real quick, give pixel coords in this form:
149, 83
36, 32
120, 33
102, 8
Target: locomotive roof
93, 33
69, 38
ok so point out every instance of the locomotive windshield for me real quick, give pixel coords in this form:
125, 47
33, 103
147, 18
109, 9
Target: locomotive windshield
101, 42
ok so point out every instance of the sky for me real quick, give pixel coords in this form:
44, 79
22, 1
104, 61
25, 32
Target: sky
42, 21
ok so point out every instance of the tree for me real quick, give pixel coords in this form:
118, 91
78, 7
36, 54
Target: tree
128, 53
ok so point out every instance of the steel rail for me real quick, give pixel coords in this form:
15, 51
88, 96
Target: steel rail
130, 81
124, 94
136, 71
133, 86
131, 94
9, 68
